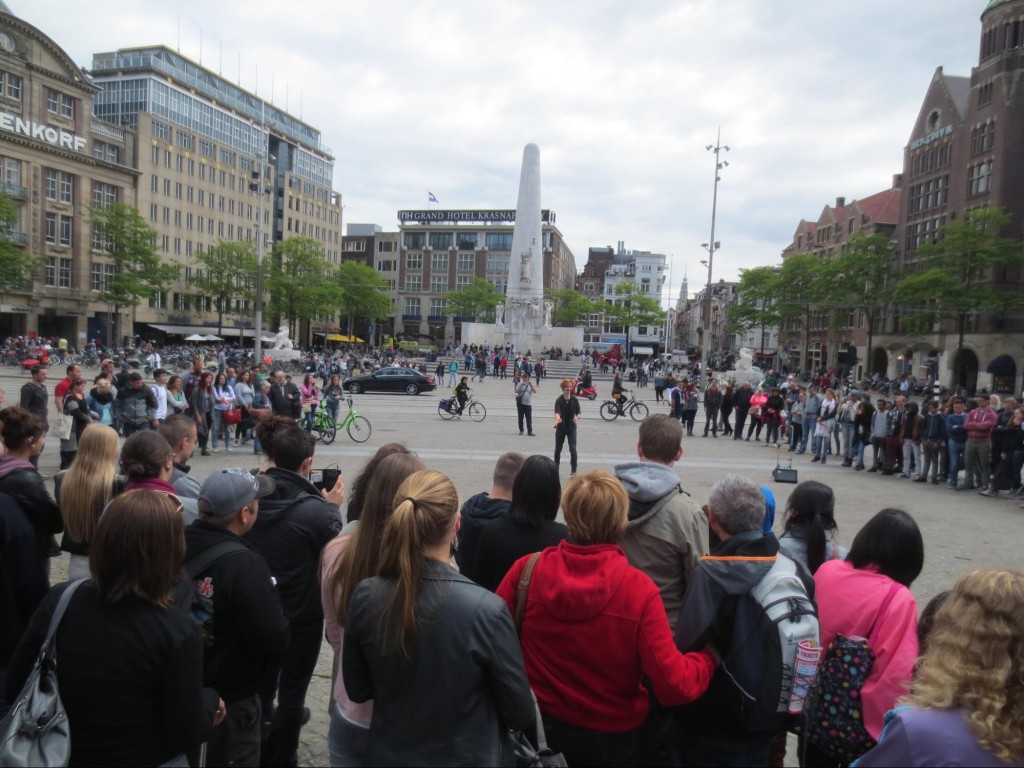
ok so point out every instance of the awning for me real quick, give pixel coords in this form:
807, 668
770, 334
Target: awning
1003, 365
201, 330
643, 351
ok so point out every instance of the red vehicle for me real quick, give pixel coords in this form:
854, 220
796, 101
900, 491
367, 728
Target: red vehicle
588, 392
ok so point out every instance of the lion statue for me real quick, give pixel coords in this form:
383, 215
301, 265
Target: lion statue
281, 340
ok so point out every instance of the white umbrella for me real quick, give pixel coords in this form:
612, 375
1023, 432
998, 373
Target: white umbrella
195, 337
212, 337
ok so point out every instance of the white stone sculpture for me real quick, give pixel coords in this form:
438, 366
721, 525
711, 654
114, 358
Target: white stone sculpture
745, 361
281, 340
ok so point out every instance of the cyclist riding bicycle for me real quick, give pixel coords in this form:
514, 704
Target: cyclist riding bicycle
462, 394
617, 392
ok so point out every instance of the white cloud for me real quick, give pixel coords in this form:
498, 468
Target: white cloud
815, 99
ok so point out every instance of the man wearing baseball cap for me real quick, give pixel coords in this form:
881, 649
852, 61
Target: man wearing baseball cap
236, 603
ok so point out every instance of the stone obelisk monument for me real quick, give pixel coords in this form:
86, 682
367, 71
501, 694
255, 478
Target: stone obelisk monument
526, 315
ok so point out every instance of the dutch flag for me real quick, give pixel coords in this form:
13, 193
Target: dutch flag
430, 197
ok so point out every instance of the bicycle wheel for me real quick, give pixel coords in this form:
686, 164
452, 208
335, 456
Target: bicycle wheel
477, 412
327, 433
639, 411
609, 410
359, 429
445, 413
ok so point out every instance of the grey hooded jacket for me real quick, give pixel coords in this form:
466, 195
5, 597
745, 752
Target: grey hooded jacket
667, 532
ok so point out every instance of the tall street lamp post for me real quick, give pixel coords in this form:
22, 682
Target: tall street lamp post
711, 246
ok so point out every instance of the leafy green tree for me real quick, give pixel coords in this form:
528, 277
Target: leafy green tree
861, 279
803, 284
17, 264
228, 273
364, 293
139, 273
571, 307
301, 282
957, 277
758, 293
632, 308
476, 300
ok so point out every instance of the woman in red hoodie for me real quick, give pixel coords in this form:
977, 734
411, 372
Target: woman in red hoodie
585, 605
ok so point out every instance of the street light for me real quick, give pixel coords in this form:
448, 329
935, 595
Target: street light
711, 246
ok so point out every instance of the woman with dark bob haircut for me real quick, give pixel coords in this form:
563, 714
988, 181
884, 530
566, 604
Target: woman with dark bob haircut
147, 460
869, 592
131, 665
810, 528
529, 525
585, 604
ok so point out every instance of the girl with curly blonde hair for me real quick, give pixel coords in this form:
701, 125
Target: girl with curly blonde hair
966, 706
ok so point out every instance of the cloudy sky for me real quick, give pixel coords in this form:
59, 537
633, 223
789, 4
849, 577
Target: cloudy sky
815, 99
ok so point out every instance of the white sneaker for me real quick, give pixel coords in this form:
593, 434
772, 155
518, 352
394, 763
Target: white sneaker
236, 442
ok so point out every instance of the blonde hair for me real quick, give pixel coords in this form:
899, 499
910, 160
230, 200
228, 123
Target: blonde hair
426, 508
975, 660
596, 507
88, 485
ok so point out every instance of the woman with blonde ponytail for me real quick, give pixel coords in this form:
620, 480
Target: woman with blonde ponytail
437, 653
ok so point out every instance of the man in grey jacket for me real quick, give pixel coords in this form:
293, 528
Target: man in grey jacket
135, 406
812, 404
667, 532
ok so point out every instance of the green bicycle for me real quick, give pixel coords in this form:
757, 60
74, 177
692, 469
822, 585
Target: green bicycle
358, 427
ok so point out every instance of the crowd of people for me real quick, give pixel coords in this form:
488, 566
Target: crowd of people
642, 628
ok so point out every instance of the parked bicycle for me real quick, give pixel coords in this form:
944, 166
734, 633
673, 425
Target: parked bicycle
448, 408
638, 411
358, 427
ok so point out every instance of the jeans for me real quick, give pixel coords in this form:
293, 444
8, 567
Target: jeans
525, 412
688, 418
310, 415
560, 434
346, 742
128, 428
726, 427
451, 379
236, 741
712, 421
289, 678
741, 419
911, 455
956, 461
849, 430
809, 424
333, 408
220, 429
930, 458
824, 444
858, 449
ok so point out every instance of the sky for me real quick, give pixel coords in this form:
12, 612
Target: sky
815, 99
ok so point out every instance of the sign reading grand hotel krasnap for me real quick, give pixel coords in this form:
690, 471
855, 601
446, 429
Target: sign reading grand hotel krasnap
476, 217
58, 137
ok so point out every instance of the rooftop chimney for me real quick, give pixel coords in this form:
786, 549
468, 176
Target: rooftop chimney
840, 202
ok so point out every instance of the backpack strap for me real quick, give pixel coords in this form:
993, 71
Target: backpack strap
523, 590
58, 612
214, 554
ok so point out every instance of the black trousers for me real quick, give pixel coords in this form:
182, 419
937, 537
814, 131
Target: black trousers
525, 412
560, 435
290, 680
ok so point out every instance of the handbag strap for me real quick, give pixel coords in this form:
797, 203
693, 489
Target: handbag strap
873, 636
58, 612
524, 590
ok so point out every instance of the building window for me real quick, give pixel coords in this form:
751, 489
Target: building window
58, 272
438, 307
158, 300
466, 262
60, 103
462, 282
354, 246
414, 261
161, 131
414, 240
10, 85
58, 229
412, 306
439, 283
985, 94
979, 178
441, 240
498, 241
498, 262
983, 137
594, 320
589, 286
466, 241
439, 262
413, 283
103, 195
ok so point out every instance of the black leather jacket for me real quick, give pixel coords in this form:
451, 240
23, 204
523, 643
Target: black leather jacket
464, 680
25, 485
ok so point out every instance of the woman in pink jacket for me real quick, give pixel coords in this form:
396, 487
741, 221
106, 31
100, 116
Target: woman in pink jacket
756, 412
870, 590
